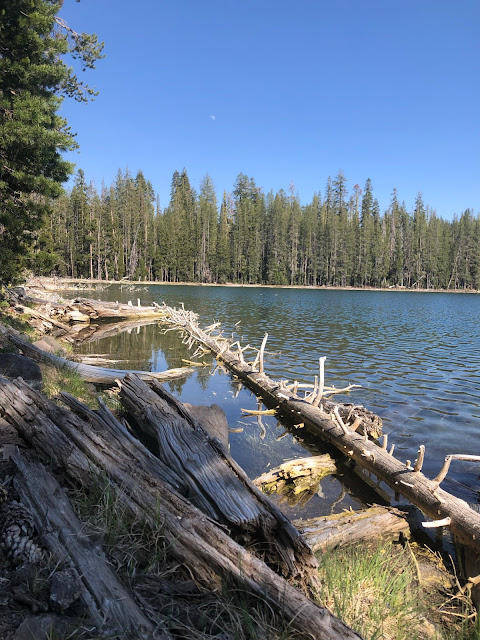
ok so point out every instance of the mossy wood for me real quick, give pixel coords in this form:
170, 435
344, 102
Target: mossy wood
91, 373
109, 604
323, 422
89, 445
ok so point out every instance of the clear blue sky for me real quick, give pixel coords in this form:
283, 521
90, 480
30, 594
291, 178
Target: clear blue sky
286, 91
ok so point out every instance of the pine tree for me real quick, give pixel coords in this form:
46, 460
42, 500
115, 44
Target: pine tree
33, 77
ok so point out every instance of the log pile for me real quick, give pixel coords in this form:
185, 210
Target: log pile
352, 430
90, 445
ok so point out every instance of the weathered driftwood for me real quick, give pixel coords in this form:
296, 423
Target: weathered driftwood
331, 426
96, 309
353, 527
94, 332
145, 489
45, 317
110, 606
296, 481
211, 482
91, 373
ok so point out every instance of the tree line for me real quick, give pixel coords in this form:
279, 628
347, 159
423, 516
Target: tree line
340, 238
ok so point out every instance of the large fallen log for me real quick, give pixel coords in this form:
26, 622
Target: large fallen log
146, 490
353, 527
91, 373
110, 606
340, 426
212, 481
96, 309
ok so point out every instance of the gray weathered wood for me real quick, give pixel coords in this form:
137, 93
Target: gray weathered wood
353, 527
109, 604
102, 446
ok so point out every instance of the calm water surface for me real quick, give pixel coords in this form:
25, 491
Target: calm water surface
415, 355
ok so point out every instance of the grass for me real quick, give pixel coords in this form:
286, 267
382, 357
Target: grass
377, 592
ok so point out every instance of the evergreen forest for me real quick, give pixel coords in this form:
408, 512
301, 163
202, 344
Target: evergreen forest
340, 238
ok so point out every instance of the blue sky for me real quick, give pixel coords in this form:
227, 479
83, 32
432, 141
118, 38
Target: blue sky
286, 91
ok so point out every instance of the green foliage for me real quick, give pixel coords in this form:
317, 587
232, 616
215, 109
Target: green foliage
341, 239
33, 79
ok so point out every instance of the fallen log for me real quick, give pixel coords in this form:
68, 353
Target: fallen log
96, 309
147, 491
212, 484
341, 427
91, 373
110, 606
296, 481
353, 527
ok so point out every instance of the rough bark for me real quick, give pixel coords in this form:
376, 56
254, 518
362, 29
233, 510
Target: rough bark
212, 484
110, 606
103, 447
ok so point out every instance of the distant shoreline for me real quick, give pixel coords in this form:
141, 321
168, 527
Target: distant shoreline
58, 284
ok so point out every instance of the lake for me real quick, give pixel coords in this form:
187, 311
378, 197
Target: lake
416, 356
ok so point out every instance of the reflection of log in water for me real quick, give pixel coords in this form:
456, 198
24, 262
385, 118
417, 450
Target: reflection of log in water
91, 373
341, 425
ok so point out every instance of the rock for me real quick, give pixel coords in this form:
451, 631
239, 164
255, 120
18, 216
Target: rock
212, 419
49, 344
16, 366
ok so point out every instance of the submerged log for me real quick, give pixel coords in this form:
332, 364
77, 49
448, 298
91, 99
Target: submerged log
110, 606
353, 527
404, 479
91, 373
296, 481
211, 482
146, 489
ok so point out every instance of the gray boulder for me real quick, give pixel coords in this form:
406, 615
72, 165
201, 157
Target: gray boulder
13, 365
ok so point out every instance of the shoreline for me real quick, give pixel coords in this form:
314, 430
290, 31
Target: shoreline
59, 284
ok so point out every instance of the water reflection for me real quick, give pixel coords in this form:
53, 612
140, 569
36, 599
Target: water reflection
416, 355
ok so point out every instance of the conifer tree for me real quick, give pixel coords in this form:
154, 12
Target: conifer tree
33, 79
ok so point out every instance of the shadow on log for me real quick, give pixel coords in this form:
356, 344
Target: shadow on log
94, 444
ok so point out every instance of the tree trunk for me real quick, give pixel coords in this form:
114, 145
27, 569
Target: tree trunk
148, 491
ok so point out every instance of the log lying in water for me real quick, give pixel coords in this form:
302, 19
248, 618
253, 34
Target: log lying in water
297, 480
110, 606
85, 310
206, 471
91, 373
146, 490
403, 478
353, 527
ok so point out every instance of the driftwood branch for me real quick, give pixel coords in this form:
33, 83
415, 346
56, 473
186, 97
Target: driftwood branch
422, 492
